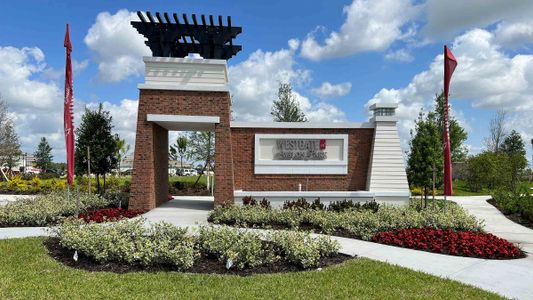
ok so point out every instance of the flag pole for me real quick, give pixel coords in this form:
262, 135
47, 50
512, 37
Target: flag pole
68, 115
449, 66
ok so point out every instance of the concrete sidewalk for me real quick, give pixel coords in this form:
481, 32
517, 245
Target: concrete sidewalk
496, 222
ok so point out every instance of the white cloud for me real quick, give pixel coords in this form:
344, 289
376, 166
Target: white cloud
444, 18
514, 34
78, 66
485, 75
35, 105
254, 85
400, 55
117, 47
370, 25
328, 90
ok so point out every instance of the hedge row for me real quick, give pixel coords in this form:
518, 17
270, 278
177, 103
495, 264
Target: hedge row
135, 242
358, 223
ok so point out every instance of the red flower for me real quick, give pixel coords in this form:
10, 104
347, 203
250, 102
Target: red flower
109, 214
463, 243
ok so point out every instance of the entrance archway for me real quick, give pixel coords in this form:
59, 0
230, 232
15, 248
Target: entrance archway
163, 110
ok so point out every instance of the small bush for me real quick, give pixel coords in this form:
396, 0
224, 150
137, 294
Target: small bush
243, 249
47, 209
339, 206
301, 203
264, 203
117, 198
248, 200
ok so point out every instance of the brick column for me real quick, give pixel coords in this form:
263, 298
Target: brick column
224, 184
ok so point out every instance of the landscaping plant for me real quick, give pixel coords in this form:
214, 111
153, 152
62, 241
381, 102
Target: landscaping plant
134, 242
109, 214
461, 243
361, 224
48, 209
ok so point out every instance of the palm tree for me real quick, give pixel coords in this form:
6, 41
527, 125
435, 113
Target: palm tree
121, 150
181, 143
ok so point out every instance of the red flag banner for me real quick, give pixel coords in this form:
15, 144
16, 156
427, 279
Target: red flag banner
68, 111
449, 66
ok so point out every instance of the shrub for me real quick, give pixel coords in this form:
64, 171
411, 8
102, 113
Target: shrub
47, 209
518, 201
248, 200
117, 198
343, 205
363, 223
131, 242
109, 214
302, 249
137, 243
300, 203
243, 249
462, 243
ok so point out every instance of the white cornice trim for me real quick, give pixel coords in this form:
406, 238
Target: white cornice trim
302, 125
181, 87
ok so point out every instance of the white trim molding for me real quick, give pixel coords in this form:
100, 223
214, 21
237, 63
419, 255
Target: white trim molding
317, 167
183, 122
303, 125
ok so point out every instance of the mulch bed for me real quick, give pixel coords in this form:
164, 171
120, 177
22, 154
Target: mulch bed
203, 265
517, 218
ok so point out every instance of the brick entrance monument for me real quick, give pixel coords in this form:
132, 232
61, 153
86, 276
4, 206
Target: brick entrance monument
274, 160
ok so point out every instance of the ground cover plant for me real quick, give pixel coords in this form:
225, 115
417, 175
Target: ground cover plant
461, 243
162, 245
29, 272
361, 222
517, 204
48, 209
109, 214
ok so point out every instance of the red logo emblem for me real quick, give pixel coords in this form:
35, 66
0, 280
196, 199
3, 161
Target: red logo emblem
322, 144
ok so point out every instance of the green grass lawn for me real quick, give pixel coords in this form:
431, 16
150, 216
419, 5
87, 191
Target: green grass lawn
27, 272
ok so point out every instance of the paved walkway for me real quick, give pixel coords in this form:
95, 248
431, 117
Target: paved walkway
510, 278
496, 222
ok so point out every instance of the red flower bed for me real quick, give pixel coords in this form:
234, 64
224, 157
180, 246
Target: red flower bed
109, 214
461, 243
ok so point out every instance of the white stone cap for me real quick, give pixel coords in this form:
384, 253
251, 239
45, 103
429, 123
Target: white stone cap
383, 112
186, 74
302, 125
383, 105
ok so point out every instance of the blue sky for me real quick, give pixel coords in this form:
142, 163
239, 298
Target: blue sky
340, 56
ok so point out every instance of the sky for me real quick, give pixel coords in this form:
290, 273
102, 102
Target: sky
339, 56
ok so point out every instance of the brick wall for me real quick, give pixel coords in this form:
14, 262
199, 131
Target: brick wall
149, 186
359, 149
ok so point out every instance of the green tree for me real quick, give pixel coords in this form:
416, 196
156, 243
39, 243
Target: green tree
9, 141
514, 147
286, 108
94, 132
458, 135
201, 147
43, 155
121, 150
425, 155
483, 170
179, 149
